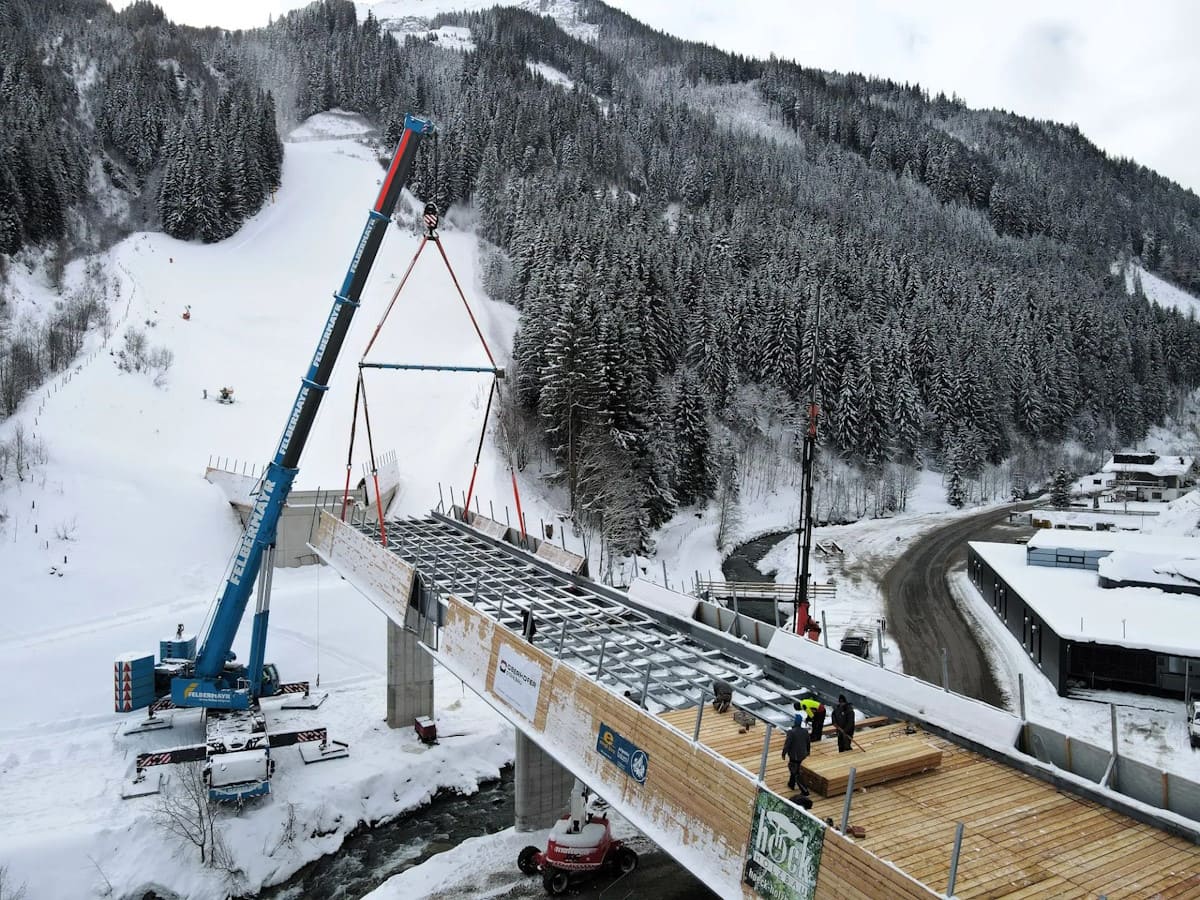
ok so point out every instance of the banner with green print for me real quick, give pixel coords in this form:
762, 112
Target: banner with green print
785, 850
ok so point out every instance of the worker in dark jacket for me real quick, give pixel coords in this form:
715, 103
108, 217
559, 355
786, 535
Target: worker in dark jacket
843, 718
722, 695
818, 721
795, 750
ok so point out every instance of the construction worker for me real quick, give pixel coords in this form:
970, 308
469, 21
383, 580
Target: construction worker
843, 719
796, 747
816, 715
723, 692
811, 706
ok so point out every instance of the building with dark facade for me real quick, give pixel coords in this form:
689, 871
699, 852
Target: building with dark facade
1097, 609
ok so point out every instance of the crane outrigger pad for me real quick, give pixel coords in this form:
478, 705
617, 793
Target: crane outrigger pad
151, 723
306, 701
144, 784
315, 753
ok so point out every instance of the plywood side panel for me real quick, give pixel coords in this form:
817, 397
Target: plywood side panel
379, 575
466, 637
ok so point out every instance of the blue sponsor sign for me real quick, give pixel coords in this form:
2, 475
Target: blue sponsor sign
624, 753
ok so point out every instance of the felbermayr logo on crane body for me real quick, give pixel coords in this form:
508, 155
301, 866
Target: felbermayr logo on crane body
191, 693
286, 440
260, 508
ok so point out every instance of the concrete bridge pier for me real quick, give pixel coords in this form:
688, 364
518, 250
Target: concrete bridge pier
542, 787
409, 673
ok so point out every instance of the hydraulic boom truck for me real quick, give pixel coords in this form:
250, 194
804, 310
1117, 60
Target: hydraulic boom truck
237, 750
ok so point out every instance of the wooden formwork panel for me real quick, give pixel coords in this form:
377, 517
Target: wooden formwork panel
382, 576
466, 637
487, 526
564, 559
849, 873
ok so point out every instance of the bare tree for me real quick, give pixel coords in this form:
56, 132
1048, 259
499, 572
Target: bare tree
516, 435
8, 890
728, 494
185, 811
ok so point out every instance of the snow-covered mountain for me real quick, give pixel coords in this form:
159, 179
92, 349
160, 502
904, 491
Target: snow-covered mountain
413, 16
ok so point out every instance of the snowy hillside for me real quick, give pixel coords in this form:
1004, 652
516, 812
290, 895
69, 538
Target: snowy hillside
118, 536
1161, 293
412, 16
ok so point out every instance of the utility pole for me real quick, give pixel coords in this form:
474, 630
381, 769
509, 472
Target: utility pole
802, 622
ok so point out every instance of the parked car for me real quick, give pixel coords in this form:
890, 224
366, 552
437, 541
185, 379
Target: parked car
857, 644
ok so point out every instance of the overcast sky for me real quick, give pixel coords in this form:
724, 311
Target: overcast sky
1128, 74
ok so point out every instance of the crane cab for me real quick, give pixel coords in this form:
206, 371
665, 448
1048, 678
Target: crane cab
270, 680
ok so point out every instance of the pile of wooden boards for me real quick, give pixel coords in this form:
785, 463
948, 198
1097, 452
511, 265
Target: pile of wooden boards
828, 774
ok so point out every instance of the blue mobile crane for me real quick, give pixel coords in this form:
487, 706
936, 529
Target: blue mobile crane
237, 747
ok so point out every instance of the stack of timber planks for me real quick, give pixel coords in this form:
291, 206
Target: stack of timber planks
884, 761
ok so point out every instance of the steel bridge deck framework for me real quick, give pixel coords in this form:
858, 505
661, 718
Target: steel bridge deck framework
587, 626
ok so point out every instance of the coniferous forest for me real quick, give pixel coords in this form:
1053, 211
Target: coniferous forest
668, 258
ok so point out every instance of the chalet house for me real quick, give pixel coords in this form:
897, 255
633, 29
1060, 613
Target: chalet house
1148, 476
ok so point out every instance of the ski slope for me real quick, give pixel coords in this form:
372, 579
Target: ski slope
1161, 292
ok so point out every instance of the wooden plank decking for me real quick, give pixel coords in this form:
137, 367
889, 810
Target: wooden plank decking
1023, 837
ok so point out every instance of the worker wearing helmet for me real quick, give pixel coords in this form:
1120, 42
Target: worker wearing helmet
814, 709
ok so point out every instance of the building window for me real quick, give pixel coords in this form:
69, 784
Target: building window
1067, 559
1156, 495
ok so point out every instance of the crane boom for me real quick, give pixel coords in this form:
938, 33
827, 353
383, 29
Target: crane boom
209, 685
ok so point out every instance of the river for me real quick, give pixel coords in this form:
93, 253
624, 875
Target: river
373, 855
742, 562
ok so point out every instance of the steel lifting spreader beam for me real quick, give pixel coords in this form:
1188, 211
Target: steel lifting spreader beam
207, 688
419, 367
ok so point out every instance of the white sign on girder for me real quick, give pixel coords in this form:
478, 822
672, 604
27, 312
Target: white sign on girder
518, 681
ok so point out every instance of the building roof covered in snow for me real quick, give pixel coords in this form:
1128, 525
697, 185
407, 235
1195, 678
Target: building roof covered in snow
1171, 573
1159, 545
1149, 464
1073, 604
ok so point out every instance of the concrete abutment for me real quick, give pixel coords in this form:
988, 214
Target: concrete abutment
409, 674
542, 786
